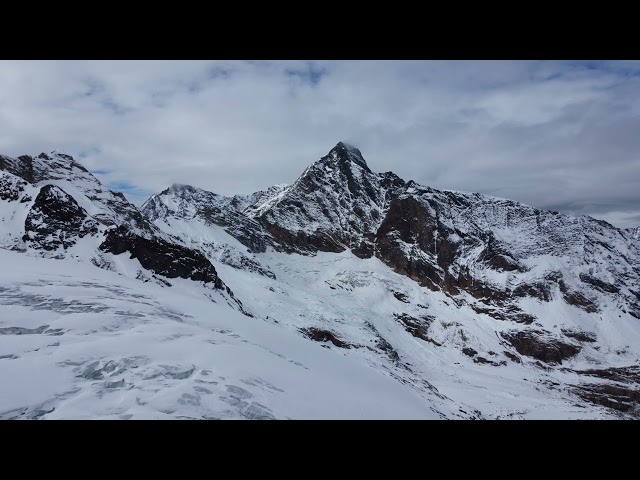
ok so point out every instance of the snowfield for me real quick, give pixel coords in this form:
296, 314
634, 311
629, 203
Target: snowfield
80, 342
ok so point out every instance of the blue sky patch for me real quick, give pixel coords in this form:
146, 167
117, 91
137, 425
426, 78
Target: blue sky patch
312, 74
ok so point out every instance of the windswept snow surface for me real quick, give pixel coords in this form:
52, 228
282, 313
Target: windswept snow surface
80, 342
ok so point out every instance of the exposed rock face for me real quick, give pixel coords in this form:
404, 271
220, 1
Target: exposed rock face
324, 336
496, 256
405, 236
21, 167
161, 257
578, 299
469, 352
56, 220
336, 203
621, 398
541, 345
598, 284
11, 187
580, 336
511, 356
539, 290
621, 392
419, 328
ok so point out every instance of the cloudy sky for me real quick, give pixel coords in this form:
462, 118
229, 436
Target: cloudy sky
557, 135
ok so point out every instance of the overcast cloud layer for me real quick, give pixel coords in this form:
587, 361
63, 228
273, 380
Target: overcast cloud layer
557, 135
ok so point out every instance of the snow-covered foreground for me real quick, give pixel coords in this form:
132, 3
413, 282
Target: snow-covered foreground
80, 342
77, 341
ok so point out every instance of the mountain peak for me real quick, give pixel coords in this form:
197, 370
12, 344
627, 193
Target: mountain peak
52, 157
345, 152
179, 187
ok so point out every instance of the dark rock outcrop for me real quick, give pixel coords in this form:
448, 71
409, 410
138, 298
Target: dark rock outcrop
159, 256
56, 220
620, 390
323, 336
617, 397
577, 299
509, 313
541, 345
419, 328
482, 360
598, 284
580, 335
511, 356
383, 345
619, 374
401, 297
303, 242
496, 256
11, 187
539, 290
388, 349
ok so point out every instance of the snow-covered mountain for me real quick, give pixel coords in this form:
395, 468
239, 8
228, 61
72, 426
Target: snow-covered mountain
53, 207
525, 286
60, 170
364, 296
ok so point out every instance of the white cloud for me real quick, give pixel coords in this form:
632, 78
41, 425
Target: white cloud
556, 135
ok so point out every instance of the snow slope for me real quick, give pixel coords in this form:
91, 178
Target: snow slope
81, 342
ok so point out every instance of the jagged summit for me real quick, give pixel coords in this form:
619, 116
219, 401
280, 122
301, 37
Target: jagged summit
42, 167
179, 187
348, 153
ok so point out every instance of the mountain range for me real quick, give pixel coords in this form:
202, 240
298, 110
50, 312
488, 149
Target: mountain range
347, 294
